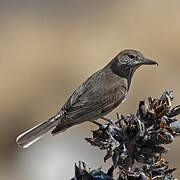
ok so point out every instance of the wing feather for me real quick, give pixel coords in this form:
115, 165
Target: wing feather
93, 99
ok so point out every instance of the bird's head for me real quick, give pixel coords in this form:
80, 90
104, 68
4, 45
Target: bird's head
127, 61
133, 59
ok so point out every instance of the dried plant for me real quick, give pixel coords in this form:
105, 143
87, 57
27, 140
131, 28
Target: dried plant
136, 138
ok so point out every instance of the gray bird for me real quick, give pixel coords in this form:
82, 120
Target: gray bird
96, 97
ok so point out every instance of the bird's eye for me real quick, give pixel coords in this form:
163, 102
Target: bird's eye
131, 56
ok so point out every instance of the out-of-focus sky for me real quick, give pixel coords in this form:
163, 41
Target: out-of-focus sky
48, 48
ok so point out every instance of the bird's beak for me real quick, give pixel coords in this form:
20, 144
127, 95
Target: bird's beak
148, 62
144, 62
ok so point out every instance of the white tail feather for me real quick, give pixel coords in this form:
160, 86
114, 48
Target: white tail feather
32, 135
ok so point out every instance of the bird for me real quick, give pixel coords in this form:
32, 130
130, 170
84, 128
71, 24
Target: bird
97, 96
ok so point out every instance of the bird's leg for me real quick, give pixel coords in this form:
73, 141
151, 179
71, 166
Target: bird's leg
108, 120
96, 122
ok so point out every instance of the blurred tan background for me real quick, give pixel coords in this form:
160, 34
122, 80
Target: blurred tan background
48, 47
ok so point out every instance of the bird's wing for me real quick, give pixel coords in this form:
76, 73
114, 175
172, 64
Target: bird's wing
101, 99
85, 97
94, 98
83, 110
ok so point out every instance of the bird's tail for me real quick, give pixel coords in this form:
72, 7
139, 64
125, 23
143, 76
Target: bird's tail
32, 135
